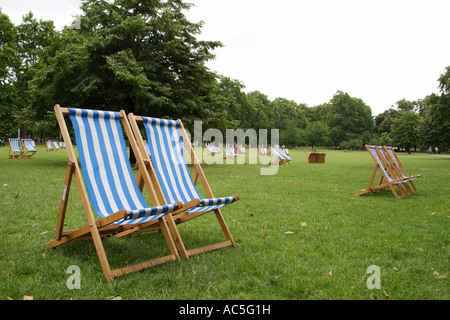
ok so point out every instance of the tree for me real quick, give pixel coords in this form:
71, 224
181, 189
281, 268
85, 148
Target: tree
385, 139
349, 117
8, 94
435, 129
383, 121
405, 130
317, 133
142, 56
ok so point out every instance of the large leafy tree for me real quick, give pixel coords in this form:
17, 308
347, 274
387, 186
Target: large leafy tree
347, 117
435, 127
404, 130
142, 56
8, 94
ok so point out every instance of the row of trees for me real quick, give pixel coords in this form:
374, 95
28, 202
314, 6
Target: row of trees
144, 57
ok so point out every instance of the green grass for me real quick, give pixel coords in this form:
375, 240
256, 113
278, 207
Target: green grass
408, 239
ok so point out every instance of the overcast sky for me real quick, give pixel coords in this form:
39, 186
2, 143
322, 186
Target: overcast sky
306, 50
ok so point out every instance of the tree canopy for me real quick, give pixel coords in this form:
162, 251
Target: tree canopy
144, 57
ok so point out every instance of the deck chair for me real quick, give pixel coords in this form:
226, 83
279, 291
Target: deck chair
229, 153
283, 153
396, 163
55, 145
15, 151
280, 158
109, 187
167, 168
262, 151
212, 150
387, 178
28, 148
49, 145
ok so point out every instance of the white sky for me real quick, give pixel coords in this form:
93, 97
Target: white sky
305, 50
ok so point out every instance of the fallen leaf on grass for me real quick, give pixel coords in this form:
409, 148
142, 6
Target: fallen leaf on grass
289, 232
27, 297
45, 232
395, 269
330, 274
303, 224
386, 294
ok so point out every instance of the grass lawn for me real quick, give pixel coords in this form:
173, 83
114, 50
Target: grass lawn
302, 234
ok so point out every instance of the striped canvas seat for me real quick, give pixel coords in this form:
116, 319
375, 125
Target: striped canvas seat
29, 148
49, 145
15, 150
281, 157
382, 166
55, 145
388, 175
106, 169
281, 151
399, 165
28, 144
167, 155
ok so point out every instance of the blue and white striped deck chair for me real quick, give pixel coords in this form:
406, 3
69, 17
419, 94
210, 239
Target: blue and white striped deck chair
288, 158
28, 148
49, 145
212, 150
386, 175
15, 151
229, 153
169, 172
280, 158
395, 162
108, 185
55, 145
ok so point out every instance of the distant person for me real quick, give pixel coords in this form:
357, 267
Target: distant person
430, 150
436, 149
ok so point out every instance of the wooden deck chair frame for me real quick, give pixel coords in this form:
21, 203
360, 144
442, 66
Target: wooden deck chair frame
102, 228
386, 175
398, 167
28, 150
144, 160
15, 148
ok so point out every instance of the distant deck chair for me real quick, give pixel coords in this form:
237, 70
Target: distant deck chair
49, 145
109, 186
228, 153
397, 164
55, 145
387, 177
283, 153
167, 168
212, 150
15, 150
28, 148
281, 159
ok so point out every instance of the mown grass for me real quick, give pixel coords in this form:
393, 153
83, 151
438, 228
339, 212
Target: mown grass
332, 235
